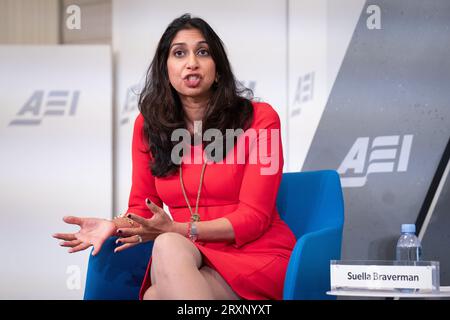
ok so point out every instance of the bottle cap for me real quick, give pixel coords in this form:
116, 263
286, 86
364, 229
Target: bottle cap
408, 228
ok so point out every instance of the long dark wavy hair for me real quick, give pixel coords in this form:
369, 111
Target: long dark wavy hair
229, 106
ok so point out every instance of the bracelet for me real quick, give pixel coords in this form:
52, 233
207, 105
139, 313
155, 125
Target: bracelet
192, 231
131, 222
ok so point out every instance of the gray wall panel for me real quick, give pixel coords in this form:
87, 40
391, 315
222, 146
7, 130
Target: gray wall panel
436, 241
394, 85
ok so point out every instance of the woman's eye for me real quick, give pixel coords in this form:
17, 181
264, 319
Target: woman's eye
203, 52
178, 53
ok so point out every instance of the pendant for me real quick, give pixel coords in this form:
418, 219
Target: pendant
195, 217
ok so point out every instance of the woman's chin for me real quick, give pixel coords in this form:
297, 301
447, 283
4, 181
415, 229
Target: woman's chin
195, 93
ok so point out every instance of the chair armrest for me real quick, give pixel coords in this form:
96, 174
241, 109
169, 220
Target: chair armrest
117, 276
308, 273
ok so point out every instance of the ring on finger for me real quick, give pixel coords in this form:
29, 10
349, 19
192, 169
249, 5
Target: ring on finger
139, 238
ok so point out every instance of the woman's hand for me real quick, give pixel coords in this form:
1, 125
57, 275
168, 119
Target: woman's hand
93, 232
149, 228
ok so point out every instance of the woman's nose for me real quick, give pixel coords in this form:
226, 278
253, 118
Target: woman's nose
192, 62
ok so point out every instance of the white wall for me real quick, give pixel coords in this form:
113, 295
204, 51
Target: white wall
319, 34
52, 165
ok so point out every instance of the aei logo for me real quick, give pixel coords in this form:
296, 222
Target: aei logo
387, 154
250, 84
131, 103
40, 105
304, 92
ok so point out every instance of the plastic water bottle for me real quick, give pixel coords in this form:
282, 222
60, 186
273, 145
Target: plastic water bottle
409, 248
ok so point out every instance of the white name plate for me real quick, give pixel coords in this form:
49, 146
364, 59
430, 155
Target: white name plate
382, 277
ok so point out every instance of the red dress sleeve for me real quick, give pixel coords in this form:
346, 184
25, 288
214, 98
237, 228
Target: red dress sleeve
261, 180
143, 182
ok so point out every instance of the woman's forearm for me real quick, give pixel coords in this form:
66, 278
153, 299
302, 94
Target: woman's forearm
209, 231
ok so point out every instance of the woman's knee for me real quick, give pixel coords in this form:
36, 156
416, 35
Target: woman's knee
151, 294
170, 248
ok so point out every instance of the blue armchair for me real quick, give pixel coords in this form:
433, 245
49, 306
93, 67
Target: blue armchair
311, 203
117, 276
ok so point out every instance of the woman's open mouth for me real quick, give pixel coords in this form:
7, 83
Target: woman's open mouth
192, 81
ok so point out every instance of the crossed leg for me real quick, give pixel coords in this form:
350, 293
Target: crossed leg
178, 272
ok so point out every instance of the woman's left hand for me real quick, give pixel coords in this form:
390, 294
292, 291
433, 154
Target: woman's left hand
149, 228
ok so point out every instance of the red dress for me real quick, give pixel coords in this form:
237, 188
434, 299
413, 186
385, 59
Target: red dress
255, 264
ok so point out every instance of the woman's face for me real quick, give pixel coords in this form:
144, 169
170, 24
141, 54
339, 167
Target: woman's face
191, 69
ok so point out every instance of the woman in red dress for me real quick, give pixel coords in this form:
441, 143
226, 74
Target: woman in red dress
223, 237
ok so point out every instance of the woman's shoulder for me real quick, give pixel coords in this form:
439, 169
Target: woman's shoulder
264, 114
138, 131
139, 121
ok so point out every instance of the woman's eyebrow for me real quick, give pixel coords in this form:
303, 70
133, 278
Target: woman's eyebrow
184, 43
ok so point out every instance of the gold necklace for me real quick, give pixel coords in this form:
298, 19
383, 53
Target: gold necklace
195, 217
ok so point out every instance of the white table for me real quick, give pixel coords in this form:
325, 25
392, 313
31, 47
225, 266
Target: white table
443, 292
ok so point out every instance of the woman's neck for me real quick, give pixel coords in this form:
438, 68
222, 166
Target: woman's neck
194, 110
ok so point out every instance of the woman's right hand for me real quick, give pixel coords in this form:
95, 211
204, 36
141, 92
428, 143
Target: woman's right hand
93, 232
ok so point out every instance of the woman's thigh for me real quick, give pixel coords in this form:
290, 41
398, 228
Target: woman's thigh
171, 248
220, 288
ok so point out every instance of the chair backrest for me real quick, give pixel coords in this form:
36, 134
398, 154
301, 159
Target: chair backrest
311, 203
